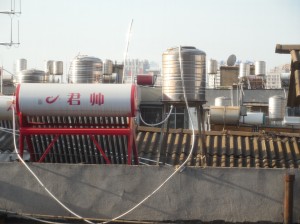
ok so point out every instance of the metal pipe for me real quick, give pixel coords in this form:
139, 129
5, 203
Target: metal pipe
288, 198
231, 95
74, 131
297, 82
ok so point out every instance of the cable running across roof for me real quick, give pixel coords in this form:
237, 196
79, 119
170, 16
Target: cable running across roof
180, 168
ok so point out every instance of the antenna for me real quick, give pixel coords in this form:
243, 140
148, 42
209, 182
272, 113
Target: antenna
231, 60
18, 33
11, 30
11, 13
126, 51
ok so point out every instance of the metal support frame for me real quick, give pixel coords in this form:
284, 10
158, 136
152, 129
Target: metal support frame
28, 129
288, 198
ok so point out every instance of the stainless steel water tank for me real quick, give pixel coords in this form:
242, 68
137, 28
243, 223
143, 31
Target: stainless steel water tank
32, 76
193, 71
244, 70
224, 115
260, 68
276, 108
113, 78
49, 67
253, 118
222, 101
21, 64
58, 68
285, 76
85, 69
107, 67
212, 66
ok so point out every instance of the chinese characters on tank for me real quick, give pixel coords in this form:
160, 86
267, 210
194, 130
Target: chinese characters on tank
75, 100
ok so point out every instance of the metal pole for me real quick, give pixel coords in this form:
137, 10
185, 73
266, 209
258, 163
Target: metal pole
288, 199
1, 74
163, 139
297, 82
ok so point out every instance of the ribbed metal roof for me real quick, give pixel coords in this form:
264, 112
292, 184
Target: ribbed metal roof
223, 149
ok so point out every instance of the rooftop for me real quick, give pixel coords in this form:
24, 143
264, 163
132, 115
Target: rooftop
223, 149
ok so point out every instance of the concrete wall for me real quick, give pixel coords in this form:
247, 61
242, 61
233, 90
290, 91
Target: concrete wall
106, 191
151, 95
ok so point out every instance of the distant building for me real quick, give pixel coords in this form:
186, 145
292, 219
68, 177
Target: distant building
273, 81
275, 78
134, 67
213, 81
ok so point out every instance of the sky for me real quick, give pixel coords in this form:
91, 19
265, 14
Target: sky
62, 29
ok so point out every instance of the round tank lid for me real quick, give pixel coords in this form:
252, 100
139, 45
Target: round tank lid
184, 49
87, 58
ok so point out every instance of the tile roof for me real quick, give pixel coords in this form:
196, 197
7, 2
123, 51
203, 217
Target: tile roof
223, 149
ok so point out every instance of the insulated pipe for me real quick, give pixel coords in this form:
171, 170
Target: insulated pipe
288, 199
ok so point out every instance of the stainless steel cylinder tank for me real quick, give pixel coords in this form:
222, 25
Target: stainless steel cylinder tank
244, 70
193, 75
85, 69
260, 68
212, 66
222, 101
107, 67
276, 108
32, 76
21, 64
58, 68
49, 67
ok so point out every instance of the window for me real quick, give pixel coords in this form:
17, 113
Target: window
177, 118
151, 114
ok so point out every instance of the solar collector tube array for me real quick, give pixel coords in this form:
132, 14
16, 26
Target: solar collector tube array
78, 123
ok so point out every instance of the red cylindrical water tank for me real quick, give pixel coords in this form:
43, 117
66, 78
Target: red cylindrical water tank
145, 80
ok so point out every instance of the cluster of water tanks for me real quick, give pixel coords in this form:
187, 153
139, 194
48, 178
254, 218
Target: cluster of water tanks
54, 67
87, 69
223, 113
183, 71
83, 69
260, 69
24, 75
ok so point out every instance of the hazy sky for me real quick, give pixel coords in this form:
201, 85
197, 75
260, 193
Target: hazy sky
60, 29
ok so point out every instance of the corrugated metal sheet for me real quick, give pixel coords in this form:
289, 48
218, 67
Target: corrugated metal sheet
223, 149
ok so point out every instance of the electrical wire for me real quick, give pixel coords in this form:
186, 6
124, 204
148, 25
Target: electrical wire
36, 177
151, 160
7, 130
153, 125
177, 169
126, 52
29, 217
